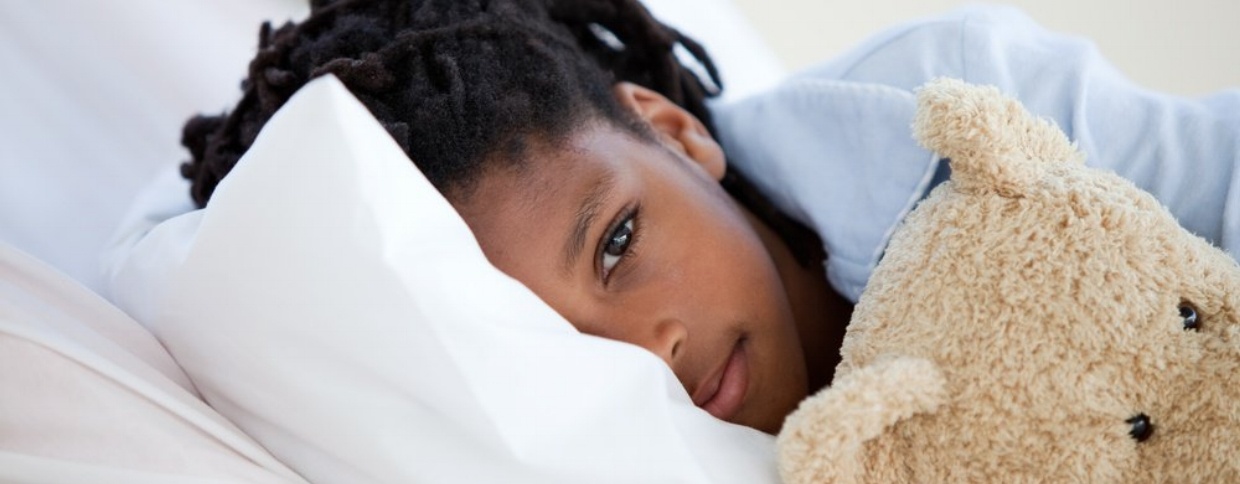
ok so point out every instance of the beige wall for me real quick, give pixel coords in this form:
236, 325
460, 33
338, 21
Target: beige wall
1181, 46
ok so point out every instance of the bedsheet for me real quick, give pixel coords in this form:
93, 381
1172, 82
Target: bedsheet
87, 395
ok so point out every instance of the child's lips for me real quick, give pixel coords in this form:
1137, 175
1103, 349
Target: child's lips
724, 392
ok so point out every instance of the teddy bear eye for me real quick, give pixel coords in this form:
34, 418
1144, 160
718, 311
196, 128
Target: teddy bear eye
1142, 429
1189, 314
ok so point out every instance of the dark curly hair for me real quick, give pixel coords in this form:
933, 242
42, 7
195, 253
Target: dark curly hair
457, 82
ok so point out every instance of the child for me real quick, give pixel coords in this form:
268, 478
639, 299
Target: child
580, 152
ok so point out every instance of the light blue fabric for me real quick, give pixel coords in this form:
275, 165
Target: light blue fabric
833, 145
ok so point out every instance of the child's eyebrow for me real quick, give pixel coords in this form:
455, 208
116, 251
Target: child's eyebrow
587, 214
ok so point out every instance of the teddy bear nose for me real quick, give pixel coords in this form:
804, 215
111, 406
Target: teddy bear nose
1189, 313
1142, 429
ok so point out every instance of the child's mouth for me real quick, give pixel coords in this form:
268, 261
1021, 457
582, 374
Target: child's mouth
723, 393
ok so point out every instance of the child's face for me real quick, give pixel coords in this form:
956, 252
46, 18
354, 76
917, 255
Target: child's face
637, 242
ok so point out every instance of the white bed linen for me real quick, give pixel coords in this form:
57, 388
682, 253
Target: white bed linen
87, 395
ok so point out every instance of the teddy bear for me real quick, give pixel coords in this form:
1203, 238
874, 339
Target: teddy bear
1032, 320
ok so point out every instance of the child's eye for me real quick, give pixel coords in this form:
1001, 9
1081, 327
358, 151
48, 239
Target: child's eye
616, 244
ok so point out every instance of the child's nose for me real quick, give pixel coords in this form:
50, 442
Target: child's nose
668, 339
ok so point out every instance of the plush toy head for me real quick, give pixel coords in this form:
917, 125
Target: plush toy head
1033, 320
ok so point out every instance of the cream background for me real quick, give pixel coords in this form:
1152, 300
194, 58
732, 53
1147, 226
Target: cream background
1184, 46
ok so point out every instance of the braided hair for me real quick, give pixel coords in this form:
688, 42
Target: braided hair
462, 84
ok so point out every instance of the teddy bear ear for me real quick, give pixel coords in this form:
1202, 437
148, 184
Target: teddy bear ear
991, 140
823, 441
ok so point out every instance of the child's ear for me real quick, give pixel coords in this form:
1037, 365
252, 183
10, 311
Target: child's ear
676, 127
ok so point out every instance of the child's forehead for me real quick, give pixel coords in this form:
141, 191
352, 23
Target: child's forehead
570, 171
547, 167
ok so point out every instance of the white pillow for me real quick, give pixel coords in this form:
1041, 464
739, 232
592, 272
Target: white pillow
333, 305
94, 103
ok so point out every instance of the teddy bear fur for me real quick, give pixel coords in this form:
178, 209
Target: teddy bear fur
1023, 319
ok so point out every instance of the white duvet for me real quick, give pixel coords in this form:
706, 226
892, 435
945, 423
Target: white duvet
88, 395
